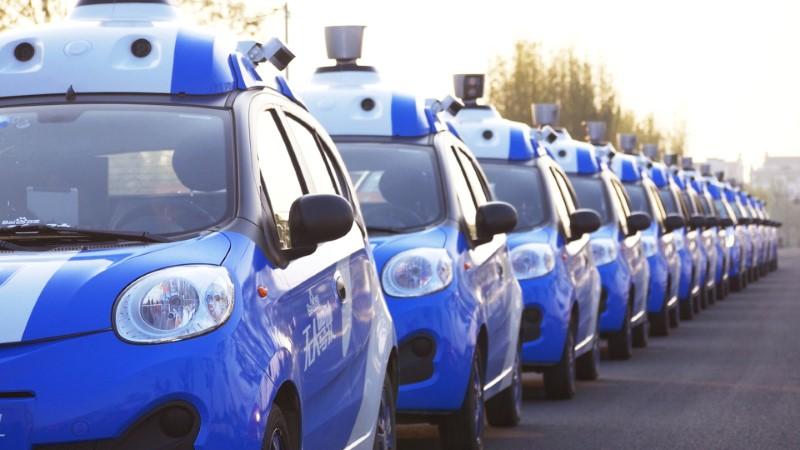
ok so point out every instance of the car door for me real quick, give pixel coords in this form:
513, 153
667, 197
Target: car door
632, 248
581, 271
350, 280
306, 294
485, 268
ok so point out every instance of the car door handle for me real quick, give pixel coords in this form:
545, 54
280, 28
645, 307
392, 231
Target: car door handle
341, 289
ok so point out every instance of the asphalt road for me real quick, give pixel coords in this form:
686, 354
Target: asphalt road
730, 379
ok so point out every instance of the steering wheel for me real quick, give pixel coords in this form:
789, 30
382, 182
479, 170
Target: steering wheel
389, 213
173, 216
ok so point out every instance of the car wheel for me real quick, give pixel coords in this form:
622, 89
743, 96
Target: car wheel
559, 380
641, 334
463, 430
505, 408
703, 298
675, 316
620, 344
660, 322
687, 309
385, 436
588, 365
277, 436
712, 296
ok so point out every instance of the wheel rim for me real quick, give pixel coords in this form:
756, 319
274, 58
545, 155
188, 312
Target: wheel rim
385, 429
477, 396
277, 440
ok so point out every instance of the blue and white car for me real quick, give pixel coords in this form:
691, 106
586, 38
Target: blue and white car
439, 242
726, 224
738, 274
182, 247
659, 238
550, 250
617, 249
745, 222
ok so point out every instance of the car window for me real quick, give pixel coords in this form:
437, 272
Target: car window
562, 210
463, 192
475, 180
567, 191
521, 186
655, 200
279, 172
311, 153
668, 201
591, 194
397, 185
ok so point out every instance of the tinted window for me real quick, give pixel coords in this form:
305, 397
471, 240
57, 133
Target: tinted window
591, 192
157, 169
397, 185
308, 149
521, 186
465, 196
638, 198
473, 177
668, 200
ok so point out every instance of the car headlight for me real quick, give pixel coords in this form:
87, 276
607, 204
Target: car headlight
692, 245
417, 272
679, 239
174, 304
649, 245
603, 251
532, 261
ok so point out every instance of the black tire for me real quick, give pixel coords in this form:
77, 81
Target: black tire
711, 299
587, 366
386, 423
559, 380
703, 298
675, 316
463, 430
687, 309
736, 283
696, 303
641, 334
277, 436
659, 322
722, 290
620, 344
505, 408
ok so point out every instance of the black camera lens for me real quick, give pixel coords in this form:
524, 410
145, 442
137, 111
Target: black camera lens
141, 48
24, 52
368, 104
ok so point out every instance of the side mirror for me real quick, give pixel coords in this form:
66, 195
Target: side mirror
639, 221
495, 218
711, 222
318, 218
674, 222
726, 222
697, 221
745, 221
584, 221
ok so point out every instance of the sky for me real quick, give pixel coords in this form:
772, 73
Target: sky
729, 69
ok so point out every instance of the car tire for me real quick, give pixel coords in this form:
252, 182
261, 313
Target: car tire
559, 380
505, 408
660, 322
675, 316
277, 436
386, 423
620, 344
641, 334
687, 309
712, 296
463, 430
703, 298
696, 303
587, 366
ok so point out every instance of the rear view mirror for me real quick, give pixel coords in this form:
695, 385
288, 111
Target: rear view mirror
726, 222
318, 218
495, 218
584, 221
674, 222
697, 221
711, 222
639, 221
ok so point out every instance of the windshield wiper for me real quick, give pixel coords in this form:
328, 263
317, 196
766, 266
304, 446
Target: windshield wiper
386, 230
49, 231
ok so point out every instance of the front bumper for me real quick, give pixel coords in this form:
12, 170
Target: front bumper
545, 320
616, 285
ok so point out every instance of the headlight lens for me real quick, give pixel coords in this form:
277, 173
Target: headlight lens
532, 261
173, 304
604, 251
417, 272
649, 245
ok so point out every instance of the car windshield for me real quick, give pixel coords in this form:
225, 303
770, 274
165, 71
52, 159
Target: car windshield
521, 186
591, 192
668, 200
124, 168
638, 198
723, 212
398, 185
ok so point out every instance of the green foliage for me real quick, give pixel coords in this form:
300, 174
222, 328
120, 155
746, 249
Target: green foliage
584, 91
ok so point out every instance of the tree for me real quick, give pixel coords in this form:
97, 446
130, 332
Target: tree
585, 92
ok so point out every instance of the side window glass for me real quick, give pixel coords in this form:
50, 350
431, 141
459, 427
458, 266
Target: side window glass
311, 153
465, 199
279, 172
562, 210
622, 203
474, 179
566, 190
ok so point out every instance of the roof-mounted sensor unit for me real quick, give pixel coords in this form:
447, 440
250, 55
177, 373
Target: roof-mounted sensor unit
628, 143
650, 151
469, 87
720, 175
273, 51
546, 114
344, 43
687, 163
705, 169
597, 131
671, 159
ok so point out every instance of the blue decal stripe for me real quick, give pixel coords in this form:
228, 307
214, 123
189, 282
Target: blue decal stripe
408, 117
197, 69
519, 145
586, 162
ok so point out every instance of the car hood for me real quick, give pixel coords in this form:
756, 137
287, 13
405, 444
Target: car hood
51, 294
385, 247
